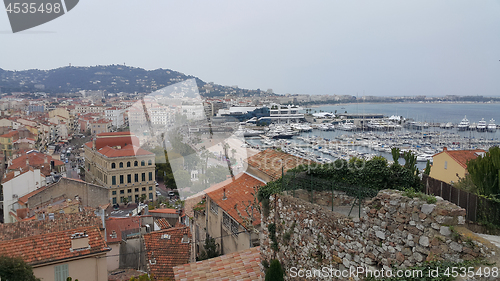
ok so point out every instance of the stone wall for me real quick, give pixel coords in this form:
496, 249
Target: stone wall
398, 231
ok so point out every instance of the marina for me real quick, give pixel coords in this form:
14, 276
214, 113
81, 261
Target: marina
344, 139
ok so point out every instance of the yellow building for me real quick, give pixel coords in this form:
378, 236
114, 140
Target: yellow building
115, 161
451, 165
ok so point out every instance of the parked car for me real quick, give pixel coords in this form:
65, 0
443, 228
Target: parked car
158, 193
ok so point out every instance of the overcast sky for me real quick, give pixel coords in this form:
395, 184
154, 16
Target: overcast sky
308, 47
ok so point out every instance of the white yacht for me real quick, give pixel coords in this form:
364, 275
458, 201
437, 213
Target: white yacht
347, 126
464, 125
481, 126
492, 126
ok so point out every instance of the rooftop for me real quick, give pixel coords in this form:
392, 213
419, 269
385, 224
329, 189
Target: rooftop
242, 265
238, 191
462, 156
269, 162
53, 246
166, 249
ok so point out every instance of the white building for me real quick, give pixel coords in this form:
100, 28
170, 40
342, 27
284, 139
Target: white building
115, 115
16, 184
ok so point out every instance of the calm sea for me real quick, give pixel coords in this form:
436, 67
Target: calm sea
428, 112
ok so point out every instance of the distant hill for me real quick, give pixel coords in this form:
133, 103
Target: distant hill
110, 78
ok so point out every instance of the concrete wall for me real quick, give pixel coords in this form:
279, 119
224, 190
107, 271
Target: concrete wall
90, 195
133, 254
112, 257
87, 269
398, 231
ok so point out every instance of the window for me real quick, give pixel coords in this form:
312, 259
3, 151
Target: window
135, 163
113, 180
121, 164
129, 190
150, 162
113, 192
143, 163
143, 176
114, 200
150, 176
226, 221
137, 190
143, 189
113, 165
121, 179
122, 191
150, 188
136, 177
446, 164
150, 196
214, 207
61, 272
129, 178
130, 199
128, 164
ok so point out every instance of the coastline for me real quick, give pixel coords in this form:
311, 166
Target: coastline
398, 102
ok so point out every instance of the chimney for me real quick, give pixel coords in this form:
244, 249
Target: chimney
93, 143
224, 195
45, 160
27, 161
445, 148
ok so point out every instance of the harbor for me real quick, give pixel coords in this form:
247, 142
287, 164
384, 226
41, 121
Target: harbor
326, 142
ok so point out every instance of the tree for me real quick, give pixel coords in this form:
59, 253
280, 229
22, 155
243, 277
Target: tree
211, 249
125, 200
485, 172
427, 170
396, 152
16, 269
275, 272
252, 212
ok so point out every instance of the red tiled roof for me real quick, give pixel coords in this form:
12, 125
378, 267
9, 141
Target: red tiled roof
129, 150
26, 229
461, 156
9, 134
242, 265
10, 175
239, 191
35, 159
269, 162
163, 223
164, 211
165, 252
117, 225
23, 200
101, 121
53, 246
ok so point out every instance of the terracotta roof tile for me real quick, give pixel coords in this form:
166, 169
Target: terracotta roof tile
23, 229
462, 156
164, 211
163, 223
269, 162
116, 227
242, 265
238, 191
165, 250
53, 246
126, 151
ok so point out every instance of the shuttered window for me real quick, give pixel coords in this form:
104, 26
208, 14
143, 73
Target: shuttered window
61, 272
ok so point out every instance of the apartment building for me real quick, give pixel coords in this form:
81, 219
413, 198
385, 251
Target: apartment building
115, 160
